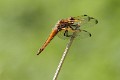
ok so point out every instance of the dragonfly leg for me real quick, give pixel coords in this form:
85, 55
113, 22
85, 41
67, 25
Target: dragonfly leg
66, 34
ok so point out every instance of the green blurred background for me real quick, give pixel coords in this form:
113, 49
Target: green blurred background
25, 25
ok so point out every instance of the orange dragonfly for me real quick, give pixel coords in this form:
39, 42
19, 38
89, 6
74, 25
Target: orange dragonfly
65, 28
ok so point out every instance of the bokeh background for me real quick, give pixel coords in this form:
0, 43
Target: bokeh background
25, 25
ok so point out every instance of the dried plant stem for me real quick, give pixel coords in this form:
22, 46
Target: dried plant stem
63, 57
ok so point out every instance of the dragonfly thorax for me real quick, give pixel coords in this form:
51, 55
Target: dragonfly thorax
68, 23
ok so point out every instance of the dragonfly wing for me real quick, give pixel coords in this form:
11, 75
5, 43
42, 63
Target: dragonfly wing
83, 19
86, 21
90, 23
65, 34
83, 34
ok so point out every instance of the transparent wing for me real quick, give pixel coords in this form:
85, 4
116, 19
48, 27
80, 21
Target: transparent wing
86, 21
90, 23
83, 34
82, 19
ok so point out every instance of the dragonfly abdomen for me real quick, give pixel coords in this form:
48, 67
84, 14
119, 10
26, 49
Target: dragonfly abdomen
51, 36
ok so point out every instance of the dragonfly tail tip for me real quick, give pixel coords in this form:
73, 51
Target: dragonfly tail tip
39, 51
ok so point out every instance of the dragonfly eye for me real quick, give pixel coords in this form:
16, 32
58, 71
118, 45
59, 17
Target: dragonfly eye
72, 18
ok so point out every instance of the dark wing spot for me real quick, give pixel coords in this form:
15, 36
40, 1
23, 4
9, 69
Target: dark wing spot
84, 15
96, 21
84, 30
91, 18
90, 34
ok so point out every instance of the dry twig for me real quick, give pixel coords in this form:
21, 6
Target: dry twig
63, 57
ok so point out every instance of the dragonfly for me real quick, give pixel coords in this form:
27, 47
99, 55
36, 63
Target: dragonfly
66, 27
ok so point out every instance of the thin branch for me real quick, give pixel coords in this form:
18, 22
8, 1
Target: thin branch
63, 57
